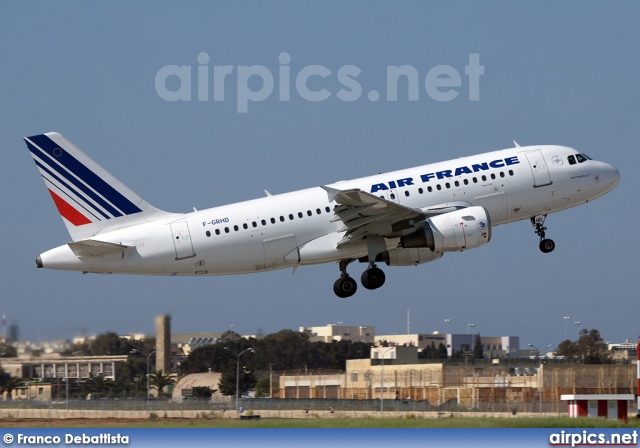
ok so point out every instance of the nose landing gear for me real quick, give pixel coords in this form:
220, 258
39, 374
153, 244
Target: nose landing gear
546, 245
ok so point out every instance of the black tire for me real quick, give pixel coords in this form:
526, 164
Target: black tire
345, 287
373, 278
547, 246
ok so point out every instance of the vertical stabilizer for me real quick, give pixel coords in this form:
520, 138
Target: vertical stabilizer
89, 199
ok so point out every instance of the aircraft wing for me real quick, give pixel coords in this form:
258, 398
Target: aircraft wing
364, 214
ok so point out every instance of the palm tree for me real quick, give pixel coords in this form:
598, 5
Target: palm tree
8, 384
97, 383
160, 379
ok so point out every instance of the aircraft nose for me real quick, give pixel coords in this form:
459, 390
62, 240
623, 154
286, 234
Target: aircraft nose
614, 175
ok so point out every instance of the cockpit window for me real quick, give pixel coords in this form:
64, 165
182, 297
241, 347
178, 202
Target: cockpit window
588, 158
572, 160
581, 158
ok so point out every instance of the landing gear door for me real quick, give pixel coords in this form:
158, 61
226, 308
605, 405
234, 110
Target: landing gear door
539, 169
182, 240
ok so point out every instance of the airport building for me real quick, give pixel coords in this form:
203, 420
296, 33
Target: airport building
493, 347
333, 332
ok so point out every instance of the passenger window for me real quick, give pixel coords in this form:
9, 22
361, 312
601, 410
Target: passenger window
484, 178
226, 230
392, 196
254, 224
208, 233
290, 217
438, 187
217, 231
245, 226
263, 222
318, 211
466, 181
572, 160
282, 219
327, 209
429, 189
235, 228
581, 158
309, 213
475, 180
501, 173
456, 183
510, 172
420, 190
300, 215
273, 220
493, 175
406, 193
448, 185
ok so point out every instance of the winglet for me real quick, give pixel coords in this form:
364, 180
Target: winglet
331, 192
516, 143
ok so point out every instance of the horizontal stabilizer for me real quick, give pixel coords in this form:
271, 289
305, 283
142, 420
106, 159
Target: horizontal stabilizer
94, 248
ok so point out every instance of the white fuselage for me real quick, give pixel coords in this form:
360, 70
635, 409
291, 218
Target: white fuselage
258, 235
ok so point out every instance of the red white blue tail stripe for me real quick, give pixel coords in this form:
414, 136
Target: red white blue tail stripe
81, 195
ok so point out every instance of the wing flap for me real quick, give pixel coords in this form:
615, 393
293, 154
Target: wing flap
364, 214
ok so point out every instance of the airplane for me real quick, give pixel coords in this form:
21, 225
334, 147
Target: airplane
400, 218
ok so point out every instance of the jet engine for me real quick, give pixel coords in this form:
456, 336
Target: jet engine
459, 230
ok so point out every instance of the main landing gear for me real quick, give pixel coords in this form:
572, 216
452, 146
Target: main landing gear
345, 286
546, 245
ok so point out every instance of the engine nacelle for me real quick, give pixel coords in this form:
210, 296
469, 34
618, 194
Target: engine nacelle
459, 230
410, 257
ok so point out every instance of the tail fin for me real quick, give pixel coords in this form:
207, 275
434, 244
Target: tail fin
89, 199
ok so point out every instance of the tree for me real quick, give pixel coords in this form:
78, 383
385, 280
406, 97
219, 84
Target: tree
477, 348
263, 388
228, 381
160, 380
132, 368
8, 384
14, 332
202, 392
97, 383
589, 347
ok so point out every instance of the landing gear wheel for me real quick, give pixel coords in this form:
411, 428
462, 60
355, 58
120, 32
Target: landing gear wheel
372, 278
345, 287
547, 246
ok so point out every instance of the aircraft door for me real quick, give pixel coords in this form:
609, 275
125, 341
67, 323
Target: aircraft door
539, 169
182, 240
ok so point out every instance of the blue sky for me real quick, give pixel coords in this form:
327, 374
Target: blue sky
553, 74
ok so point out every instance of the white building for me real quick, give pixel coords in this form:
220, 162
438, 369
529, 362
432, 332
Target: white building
332, 332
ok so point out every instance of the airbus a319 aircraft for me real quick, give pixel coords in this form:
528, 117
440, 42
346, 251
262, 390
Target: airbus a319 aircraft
401, 218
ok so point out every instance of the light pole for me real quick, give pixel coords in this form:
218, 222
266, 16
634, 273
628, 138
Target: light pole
566, 318
539, 374
470, 326
446, 325
238, 373
578, 324
148, 373
382, 375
